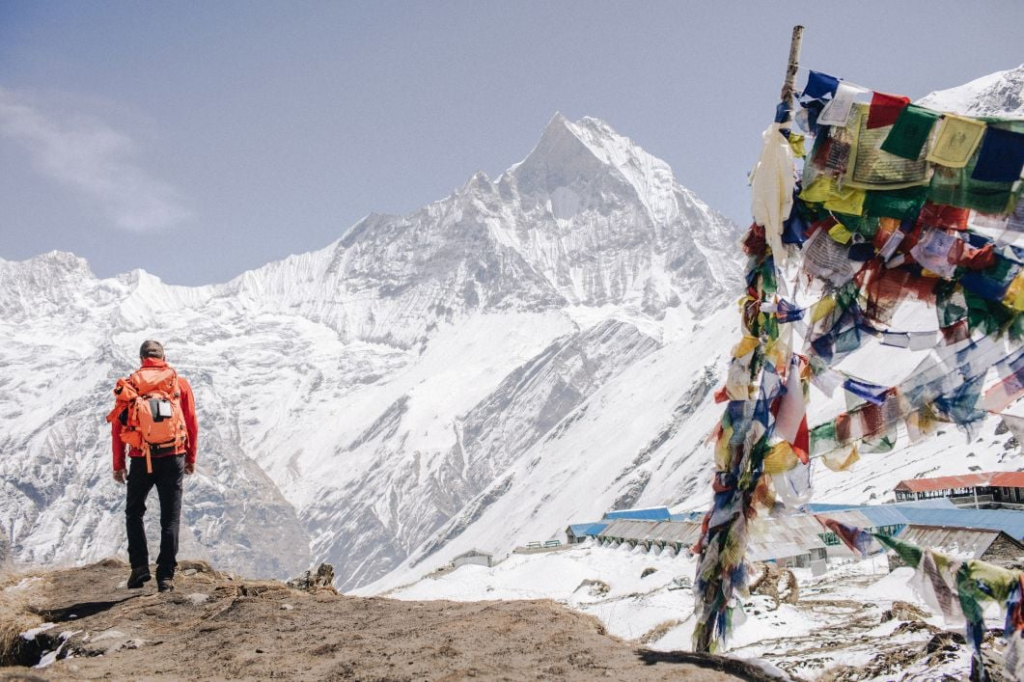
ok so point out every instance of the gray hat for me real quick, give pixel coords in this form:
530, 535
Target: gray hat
152, 349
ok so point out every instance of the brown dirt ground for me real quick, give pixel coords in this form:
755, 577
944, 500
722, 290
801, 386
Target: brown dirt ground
217, 627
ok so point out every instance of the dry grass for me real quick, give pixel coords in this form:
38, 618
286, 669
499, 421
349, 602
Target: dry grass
658, 631
16, 614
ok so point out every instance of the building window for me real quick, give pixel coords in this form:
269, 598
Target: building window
829, 538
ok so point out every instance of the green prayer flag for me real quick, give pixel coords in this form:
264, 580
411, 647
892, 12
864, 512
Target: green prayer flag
956, 187
823, 438
909, 553
910, 132
902, 204
866, 226
989, 317
950, 303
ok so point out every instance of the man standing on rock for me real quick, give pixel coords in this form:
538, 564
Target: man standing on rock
155, 417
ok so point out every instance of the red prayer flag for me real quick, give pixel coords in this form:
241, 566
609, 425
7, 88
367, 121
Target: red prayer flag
956, 332
885, 109
943, 216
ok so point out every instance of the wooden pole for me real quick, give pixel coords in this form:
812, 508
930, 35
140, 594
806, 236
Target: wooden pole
788, 87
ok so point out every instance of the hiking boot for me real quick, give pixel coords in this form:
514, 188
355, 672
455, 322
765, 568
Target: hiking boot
138, 577
165, 585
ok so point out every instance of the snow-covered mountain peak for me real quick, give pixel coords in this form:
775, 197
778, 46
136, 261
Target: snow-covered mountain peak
589, 159
53, 263
997, 94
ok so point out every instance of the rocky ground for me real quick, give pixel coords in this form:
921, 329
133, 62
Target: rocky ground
83, 623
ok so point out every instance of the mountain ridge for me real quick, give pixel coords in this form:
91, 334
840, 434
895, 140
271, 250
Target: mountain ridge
392, 353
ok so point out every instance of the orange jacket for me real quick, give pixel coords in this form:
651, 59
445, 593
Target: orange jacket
188, 408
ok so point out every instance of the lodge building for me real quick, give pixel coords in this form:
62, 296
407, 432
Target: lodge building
988, 490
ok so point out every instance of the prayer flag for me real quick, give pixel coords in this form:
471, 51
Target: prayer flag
839, 233
901, 204
873, 393
837, 111
998, 397
841, 461
791, 420
910, 132
1001, 156
941, 215
885, 109
820, 85
933, 252
856, 539
991, 284
958, 138
780, 459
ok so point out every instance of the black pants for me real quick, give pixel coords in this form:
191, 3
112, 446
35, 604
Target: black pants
168, 475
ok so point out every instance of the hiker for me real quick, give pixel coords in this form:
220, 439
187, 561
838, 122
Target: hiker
155, 417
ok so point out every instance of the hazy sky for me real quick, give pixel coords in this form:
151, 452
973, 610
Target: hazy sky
200, 139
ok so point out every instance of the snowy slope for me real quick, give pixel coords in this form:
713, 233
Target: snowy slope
837, 621
997, 94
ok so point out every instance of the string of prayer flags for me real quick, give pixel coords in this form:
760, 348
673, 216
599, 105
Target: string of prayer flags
959, 589
870, 167
894, 203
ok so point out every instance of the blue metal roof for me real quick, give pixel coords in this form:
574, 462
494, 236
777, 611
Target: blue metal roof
1007, 520
582, 529
652, 514
878, 514
689, 516
945, 513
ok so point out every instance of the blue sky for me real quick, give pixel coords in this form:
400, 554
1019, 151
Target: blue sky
197, 140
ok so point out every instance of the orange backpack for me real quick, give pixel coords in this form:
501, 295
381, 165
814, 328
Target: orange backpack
149, 408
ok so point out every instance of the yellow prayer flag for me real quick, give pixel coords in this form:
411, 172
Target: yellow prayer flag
824, 190
1015, 294
746, 345
780, 459
840, 234
722, 455
957, 139
796, 142
819, 191
841, 461
822, 308
847, 200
